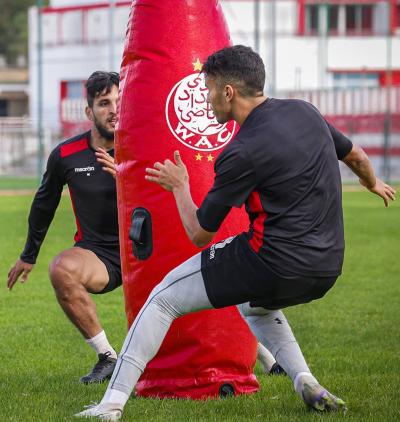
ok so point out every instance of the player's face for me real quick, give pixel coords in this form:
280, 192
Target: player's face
104, 112
217, 99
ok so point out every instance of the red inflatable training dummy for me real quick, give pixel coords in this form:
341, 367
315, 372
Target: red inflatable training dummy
163, 108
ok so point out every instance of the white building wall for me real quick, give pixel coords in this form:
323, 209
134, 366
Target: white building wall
369, 53
300, 62
66, 58
97, 18
305, 62
296, 63
240, 16
66, 3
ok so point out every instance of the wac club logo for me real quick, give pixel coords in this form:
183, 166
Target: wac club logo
191, 119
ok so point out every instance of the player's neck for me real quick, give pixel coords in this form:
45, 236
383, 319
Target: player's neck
244, 106
99, 141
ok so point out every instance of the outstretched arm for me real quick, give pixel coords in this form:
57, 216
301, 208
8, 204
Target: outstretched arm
41, 214
174, 177
357, 160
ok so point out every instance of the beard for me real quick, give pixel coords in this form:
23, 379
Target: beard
106, 134
221, 119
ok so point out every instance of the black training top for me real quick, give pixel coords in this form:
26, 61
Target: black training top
92, 191
283, 164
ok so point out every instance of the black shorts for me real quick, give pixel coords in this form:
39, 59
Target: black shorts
111, 258
233, 273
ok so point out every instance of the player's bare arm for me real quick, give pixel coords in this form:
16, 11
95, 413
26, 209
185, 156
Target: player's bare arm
108, 162
357, 160
20, 269
175, 178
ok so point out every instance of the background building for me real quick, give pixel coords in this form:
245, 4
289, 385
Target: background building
342, 55
16, 135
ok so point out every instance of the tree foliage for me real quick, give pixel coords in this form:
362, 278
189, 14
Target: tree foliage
14, 28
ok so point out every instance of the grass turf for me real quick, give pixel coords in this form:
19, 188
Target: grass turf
350, 338
18, 183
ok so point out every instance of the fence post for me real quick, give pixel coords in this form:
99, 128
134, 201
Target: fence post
39, 4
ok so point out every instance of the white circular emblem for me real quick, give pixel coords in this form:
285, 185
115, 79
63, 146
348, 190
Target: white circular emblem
191, 119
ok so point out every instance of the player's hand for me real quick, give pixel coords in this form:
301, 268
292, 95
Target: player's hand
104, 158
386, 192
169, 175
19, 268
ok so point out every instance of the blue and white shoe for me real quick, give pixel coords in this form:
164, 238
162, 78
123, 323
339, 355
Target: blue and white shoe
318, 398
276, 370
103, 370
103, 412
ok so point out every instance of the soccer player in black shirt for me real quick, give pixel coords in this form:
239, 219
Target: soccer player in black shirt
92, 265
283, 165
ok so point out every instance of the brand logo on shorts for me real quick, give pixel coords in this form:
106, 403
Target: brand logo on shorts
190, 118
220, 245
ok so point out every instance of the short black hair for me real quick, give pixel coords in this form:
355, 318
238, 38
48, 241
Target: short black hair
100, 82
238, 65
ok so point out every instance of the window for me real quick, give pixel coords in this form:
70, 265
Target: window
366, 18
3, 108
340, 19
312, 19
333, 19
397, 14
350, 18
345, 80
358, 19
75, 89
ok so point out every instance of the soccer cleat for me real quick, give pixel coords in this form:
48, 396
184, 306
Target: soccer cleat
101, 371
276, 370
318, 398
104, 412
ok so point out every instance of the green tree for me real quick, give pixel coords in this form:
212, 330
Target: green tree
14, 28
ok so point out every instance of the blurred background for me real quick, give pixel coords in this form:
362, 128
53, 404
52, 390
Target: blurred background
342, 55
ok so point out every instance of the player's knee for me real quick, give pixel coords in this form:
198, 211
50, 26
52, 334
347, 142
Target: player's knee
64, 273
164, 299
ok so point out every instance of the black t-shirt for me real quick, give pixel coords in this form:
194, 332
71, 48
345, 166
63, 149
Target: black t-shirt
92, 192
283, 165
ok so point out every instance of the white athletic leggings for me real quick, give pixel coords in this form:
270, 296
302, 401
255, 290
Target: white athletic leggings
182, 291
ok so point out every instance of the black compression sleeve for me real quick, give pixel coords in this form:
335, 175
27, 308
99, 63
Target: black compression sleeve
43, 208
211, 215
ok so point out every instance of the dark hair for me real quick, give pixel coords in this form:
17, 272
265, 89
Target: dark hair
239, 66
100, 82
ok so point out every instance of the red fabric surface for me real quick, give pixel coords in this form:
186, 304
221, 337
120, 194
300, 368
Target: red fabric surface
73, 147
162, 109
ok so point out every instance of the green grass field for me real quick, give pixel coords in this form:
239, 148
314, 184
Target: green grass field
350, 338
18, 183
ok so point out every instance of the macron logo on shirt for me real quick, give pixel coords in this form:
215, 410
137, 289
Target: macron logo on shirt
80, 169
84, 169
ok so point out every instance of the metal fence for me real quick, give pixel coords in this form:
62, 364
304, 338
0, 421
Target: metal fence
369, 116
354, 102
19, 147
